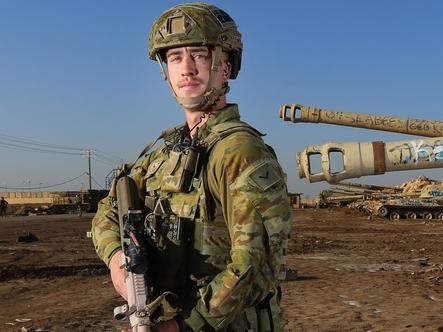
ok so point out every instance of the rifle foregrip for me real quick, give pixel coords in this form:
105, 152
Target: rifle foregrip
127, 196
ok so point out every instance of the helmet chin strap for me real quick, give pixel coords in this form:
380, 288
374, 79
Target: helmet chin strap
210, 96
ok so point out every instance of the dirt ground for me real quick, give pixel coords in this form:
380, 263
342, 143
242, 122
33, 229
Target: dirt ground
355, 274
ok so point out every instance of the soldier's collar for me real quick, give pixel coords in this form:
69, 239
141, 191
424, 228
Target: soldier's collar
228, 113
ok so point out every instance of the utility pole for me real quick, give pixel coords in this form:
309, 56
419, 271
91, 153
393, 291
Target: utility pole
89, 169
88, 155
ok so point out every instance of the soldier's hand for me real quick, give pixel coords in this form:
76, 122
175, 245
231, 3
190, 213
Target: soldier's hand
118, 274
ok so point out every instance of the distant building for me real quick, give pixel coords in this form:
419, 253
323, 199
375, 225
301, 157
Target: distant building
295, 199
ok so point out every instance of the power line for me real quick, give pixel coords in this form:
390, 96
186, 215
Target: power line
111, 163
104, 159
13, 146
36, 143
30, 145
98, 184
108, 155
45, 187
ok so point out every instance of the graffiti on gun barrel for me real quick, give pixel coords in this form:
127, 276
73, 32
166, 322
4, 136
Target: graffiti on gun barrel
415, 152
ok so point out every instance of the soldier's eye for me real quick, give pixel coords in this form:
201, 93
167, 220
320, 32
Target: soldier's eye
173, 58
200, 56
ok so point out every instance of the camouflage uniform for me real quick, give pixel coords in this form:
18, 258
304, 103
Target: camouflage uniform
226, 277
3, 206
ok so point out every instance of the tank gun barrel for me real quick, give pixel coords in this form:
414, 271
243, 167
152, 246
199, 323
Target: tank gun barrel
298, 113
370, 187
369, 158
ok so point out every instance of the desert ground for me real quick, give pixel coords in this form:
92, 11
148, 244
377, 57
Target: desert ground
354, 274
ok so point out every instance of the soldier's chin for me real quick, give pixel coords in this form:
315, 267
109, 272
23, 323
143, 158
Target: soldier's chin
190, 93
190, 106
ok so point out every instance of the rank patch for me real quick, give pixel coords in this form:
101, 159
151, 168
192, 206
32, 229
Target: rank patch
264, 176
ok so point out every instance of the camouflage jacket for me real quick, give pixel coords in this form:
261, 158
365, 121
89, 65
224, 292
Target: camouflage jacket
3, 204
240, 237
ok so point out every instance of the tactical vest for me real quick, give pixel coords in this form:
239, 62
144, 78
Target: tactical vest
191, 241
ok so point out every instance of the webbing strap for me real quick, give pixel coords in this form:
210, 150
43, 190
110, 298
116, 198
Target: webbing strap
164, 134
222, 130
217, 133
125, 169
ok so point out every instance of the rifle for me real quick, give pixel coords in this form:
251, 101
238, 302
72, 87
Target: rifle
135, 258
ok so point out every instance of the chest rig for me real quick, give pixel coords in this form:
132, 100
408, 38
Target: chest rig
191, 241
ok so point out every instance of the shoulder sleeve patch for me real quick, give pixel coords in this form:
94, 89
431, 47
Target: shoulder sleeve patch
264, 176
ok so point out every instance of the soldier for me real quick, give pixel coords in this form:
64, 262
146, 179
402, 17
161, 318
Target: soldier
232, 206
78, 205
3, 207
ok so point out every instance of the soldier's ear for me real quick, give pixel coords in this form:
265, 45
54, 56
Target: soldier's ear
226, 67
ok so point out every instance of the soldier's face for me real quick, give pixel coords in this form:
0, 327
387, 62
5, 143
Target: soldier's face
189, 69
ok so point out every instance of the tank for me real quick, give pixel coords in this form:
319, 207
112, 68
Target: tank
410, 208
339, 161
425, 203
358, 159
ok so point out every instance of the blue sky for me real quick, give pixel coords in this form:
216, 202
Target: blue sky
76, 74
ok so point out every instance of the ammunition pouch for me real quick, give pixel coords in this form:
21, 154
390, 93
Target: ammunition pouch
181, 170
162, 231
169, 236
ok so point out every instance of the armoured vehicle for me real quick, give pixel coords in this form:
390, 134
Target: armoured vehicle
39, 202
371, 158
411, 208
426, 203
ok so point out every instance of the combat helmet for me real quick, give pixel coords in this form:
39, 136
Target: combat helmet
197, 24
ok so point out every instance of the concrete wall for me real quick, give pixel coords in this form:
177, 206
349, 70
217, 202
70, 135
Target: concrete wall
37, 197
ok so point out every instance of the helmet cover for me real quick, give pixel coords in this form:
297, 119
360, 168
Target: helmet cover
196, 24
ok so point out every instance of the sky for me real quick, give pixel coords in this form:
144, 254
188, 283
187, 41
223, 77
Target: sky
74, 76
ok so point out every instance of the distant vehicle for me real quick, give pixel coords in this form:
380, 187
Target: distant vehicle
428, 204
62, 202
